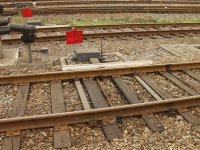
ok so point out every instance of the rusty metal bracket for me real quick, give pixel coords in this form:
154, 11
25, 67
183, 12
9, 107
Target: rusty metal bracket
168, 67
108, 121
61, 127
14, 132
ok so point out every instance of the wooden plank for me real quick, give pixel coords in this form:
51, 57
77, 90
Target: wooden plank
61, 136
181, 49
192, 74
81, 92
12, 142
82, 95
62, 61
191, 48
153, 123
82, 67
132, 98
155, 87
187, 115
57, 99
99, 101
170, 49
95, 94
130, 95
148, 88
186, 49
179, 83
19, 106
111, 128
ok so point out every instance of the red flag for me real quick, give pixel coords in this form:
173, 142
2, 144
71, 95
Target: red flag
74, 36
27, 12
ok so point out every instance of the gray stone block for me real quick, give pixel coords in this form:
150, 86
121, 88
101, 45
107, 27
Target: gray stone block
84, 54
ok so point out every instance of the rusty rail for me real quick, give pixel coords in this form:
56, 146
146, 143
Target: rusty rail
121, 26
107, 34
50, 120
14, 79
109, 9
61, 2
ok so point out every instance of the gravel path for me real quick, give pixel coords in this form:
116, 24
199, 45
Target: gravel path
72, 101
177, 135
83, 137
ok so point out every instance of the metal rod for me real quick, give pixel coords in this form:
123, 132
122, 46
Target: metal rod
1, 50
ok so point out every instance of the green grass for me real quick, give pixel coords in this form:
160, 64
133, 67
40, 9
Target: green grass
107, 21
104, 21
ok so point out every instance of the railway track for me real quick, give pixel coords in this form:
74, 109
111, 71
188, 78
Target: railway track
134, 30
108, 9
61, 2
95, 99
104, 7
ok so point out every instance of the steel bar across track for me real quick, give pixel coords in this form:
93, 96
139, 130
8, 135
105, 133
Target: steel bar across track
101, 113
114, 31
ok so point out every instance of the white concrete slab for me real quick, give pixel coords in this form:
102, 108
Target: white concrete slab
37, 59
10, 57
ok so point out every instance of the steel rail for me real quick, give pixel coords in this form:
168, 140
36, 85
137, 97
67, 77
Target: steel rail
152, 25
103, 9
102, 1
61, 2
107, 34
50, 120
63, 75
